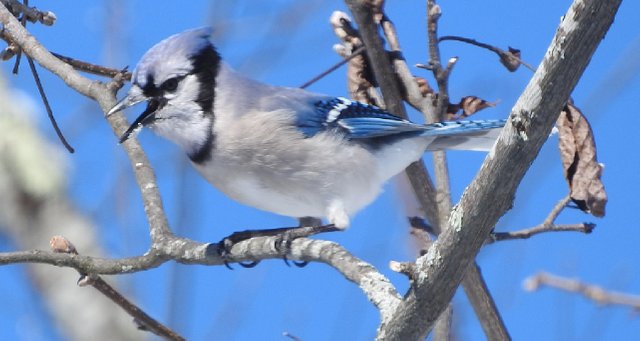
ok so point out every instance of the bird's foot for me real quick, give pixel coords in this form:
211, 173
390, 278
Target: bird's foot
284, 240
285, 237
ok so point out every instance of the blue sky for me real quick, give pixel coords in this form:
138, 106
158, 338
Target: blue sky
287, 43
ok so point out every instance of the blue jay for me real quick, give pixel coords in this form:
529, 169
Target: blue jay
278, 149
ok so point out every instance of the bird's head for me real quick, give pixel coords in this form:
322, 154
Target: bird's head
176, 78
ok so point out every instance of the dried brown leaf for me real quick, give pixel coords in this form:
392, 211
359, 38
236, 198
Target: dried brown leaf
360, 80
510, 59
469, 105
581, 168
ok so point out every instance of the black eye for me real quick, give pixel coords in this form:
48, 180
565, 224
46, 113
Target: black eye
171, 84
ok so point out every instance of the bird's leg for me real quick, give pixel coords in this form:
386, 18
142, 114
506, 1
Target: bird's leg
283, 243
286, 239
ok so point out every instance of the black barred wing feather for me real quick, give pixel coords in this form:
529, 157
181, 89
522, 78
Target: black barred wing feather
363, 121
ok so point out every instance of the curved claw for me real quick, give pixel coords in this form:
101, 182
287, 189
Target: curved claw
300, 264
223, 248
249, 265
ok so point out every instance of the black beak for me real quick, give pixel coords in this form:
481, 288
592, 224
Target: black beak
144, 118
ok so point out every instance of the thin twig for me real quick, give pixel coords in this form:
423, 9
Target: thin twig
333, 68
23, 21
548, 225
433, 14
36, 78
473, 283
93, 68
595, 293
406, 268
34, 72
31, 14
442, 327
145, 322
291, 336
585, 228
79, 65
500, 52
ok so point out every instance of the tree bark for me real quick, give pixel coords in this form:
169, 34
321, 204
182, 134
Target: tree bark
492, 191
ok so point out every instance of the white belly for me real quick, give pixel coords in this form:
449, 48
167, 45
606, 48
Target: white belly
294, 182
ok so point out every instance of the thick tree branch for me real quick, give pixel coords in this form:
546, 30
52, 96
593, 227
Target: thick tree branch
435, 203
378, 288
491, 193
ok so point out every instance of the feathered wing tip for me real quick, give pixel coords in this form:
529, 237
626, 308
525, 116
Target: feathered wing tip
465, 135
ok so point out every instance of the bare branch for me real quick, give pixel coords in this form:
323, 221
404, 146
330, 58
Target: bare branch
145, 322
332, 68
165, 245
505, 57
492, 191
13, 49
474, 285
291, 336
547, 226
595, 293
376, 287
94, 69
441, 75
47, 107
406, 268
542, 228
416, 173
483, 304
104, 94
79, 65
31, 14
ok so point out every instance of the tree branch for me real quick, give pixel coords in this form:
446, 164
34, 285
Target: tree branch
585, 228
145, 322
430, 199
504, 56
104, 94
593, 292
548, 225
31, 14
376, 287
492, 191
165, 245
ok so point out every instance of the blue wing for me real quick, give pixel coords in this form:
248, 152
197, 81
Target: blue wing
361, 121
357, 120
